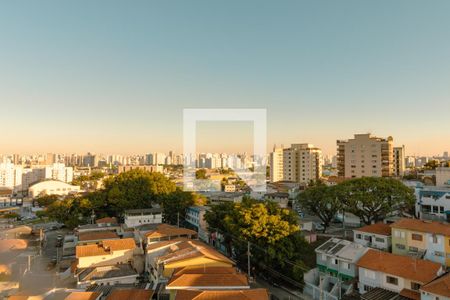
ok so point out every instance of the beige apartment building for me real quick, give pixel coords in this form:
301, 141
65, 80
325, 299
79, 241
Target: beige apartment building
300, 163
365, 156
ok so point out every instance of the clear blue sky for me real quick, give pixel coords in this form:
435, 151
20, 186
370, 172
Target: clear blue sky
114, 76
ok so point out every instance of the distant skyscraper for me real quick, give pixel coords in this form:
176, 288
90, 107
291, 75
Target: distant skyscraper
365, 156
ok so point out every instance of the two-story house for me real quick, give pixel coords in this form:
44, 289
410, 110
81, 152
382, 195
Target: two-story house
195, 216
376, 236
422, 239
433, 203
106, 252
137, 217
336, 268
401, 274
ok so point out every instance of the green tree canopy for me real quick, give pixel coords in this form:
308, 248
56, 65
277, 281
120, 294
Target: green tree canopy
47, 200
374, 198
322, 201
176, 203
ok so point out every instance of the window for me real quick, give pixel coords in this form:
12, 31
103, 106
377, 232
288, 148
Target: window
400, 246
415, 286
334, 261
439, 253
367, 288
413, 249
367, 237
324, 257
435, 239
416, 237
358, 236
392, 280
379, 240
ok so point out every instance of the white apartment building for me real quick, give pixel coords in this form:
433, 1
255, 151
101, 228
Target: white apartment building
57, 171
137, 217
276, 164
10, 176
365, 156
443, 176
302, 163
399, 161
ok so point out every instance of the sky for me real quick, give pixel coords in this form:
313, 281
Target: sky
114, 76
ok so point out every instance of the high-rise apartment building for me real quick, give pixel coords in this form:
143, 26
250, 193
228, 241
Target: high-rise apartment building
10, 175
365, 156
276, 164
300, 163
399, 161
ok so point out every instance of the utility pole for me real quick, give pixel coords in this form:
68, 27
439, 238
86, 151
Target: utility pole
178, 219
248, 260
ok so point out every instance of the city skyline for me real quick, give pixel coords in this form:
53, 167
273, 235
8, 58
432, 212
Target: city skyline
322, 71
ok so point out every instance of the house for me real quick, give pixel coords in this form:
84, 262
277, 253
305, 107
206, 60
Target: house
336, 269
280, 198
400, 274
98, 227
164, 232
338, 258
163, 258
106, 252
95, 237
251, 294
376, 236
433, 203
130, 294
136, 217
107, 275
438, 289
84, 296
422, 239
195, 216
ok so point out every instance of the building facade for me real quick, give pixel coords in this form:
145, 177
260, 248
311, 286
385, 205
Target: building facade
365, 156
276, 164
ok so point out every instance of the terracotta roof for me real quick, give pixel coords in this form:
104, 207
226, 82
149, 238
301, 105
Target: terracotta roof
165, 230
191, 249
105, 247
419, 270
254, 294
163, 244
83, 296
130, 294
423, 226
111, 220
378, 228
410, 294
12, 244
207, 280
96, 235
439, 286
204, 270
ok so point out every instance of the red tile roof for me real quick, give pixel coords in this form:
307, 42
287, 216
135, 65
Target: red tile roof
165, 230
207, 280
105, 247
111, 220
130, 294
96, 235
423, 226
419, 270
439, 286
378, 228
83, 296
253, 294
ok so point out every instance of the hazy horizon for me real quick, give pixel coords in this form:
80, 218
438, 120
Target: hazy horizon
110, 77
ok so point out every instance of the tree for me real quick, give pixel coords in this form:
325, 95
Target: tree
322, 201
374, 198
175, 205
136, 189
46, 200
200, 174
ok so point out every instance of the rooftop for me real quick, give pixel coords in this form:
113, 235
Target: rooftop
166, 230
96, 235
423, 226
130, 294
103, 272
83, 296
342, 249
154, 210
111, 220
207, 281
439, 286
378, 228
105, 247
419, 270
253, 294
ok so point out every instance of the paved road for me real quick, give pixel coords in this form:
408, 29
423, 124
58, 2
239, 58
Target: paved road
280, 293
